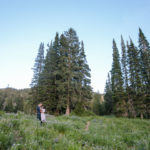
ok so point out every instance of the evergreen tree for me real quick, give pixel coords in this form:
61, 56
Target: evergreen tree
84, 81
64, 81
108, 96
117, 84
73, 50
96, 103
72, 55
130, 81
75, 71
37, 69
124, 64
144, 51
63, 68
38, 66
45, 81
57, 75
135, 81
51, 76
130, 92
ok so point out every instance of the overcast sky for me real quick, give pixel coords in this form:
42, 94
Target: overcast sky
26, 23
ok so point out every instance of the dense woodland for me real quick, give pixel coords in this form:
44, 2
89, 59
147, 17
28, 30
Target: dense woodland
61, 80
127, 91
13, 100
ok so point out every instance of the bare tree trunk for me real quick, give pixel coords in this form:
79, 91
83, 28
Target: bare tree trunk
68, 99
67, 110
141, 115
131, 108
57, 112
68, 104
125, 114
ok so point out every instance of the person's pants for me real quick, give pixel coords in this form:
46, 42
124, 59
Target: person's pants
39, 116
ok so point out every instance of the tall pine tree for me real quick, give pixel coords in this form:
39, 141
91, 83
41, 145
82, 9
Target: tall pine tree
117, 84
144, 51
108, 96
124, 64
65, 76
37, 69
51, 76
83, 79
135, 81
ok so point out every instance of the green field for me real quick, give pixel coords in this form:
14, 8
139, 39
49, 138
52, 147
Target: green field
23, 132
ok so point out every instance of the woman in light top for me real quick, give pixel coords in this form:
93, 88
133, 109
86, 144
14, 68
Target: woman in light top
43, 118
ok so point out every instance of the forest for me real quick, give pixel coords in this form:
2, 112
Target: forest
127, 91
62, 80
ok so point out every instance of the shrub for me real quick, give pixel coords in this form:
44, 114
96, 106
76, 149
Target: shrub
2, 113
88, 113
6, 141
79, 109
84, 113
15, 124
60, 127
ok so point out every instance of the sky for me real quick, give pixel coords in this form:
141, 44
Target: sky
26, 23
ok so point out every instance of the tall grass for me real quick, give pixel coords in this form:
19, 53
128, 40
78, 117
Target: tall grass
24, 132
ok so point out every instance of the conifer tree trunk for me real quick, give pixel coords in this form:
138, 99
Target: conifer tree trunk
68, 101
68, 97
131, 109
68, 108
141, 115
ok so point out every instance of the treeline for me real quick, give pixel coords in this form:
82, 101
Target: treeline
127, 91
13, 100
61, 79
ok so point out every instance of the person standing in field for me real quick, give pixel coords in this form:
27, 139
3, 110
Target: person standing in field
43, 118
38, 109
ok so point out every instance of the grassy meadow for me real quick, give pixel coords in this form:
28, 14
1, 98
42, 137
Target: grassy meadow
23, 132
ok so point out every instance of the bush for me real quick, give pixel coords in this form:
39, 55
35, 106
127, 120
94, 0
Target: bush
60, 127
88, 113
15, 124
79, 109
2, 113
6, 141
84, 113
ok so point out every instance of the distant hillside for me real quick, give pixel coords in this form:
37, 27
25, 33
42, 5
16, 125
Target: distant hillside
13, 100
97, 103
